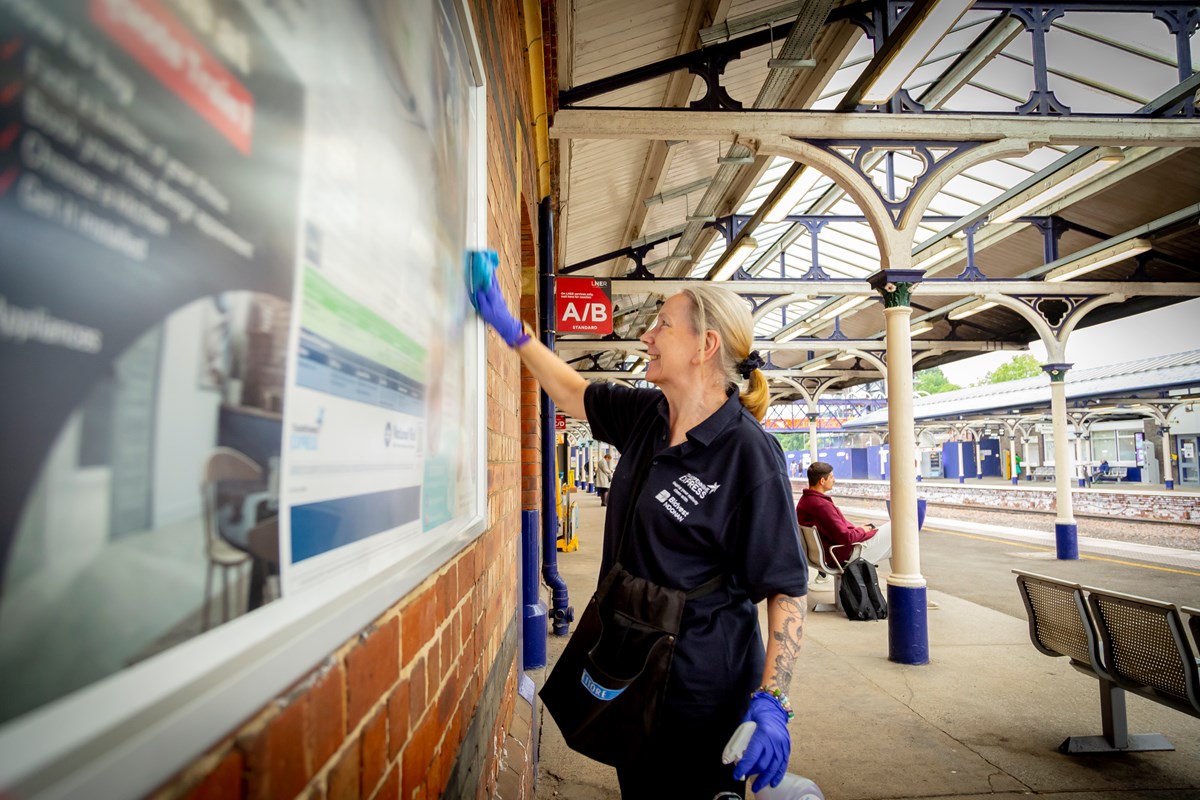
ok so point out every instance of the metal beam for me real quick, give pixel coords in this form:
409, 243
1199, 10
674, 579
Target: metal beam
569, 347
625, 123
867, 375
947, 287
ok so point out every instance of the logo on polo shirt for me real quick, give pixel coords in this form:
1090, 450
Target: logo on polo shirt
671, 504
698, 487
685, 490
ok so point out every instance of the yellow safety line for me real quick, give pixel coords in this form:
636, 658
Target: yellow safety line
1052, 550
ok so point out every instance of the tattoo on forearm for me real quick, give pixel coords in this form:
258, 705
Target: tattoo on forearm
787, 640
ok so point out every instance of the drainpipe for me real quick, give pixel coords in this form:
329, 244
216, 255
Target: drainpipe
561, 614
535, 57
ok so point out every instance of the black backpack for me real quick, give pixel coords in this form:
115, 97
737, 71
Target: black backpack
859, 592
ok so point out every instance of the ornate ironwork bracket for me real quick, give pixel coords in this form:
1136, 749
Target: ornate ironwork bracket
1038, 20
1052, 229
815, 386
1140, 273
1182, 23
710, 70
638, 254
1055, 311
730, 226
970, 271
757, 301
930, 154
814, 226
837, 335
880, 354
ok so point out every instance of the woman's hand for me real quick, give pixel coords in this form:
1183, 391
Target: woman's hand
489, 300
770, 745
561, 381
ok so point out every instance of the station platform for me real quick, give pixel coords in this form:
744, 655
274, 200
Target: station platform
983, 719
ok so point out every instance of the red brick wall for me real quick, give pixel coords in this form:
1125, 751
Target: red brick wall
387, 714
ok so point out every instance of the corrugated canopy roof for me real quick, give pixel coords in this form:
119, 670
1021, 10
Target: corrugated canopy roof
1102, 59
1130, 380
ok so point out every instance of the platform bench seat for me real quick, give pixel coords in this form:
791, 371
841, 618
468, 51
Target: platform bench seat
1043, 473
1127, 643
1113, 474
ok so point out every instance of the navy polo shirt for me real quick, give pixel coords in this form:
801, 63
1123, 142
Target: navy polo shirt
719, 503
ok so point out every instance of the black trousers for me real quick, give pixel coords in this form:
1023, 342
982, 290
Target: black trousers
683, 761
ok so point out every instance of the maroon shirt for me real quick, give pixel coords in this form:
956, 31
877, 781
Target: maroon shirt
837, 535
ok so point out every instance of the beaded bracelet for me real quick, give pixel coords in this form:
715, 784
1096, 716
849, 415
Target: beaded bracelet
776, 694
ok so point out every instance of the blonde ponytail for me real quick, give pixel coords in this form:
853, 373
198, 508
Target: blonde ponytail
757, 397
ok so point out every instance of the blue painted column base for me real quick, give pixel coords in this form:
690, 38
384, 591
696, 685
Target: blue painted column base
908, 625
962, 479
1170, 484
1082, 483
534, 629
1016, 481
1066, 538
535, 622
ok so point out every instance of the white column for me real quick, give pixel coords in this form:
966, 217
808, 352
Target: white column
1065, 530
906, 548
1012, 458
1080, 470
1168, 472
812, 434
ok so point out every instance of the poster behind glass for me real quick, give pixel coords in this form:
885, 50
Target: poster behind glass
231, 315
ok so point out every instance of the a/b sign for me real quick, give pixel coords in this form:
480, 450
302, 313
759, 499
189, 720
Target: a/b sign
584, 305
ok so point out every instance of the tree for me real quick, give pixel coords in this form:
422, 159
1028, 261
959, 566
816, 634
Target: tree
1022, 366
792, 441
933, 381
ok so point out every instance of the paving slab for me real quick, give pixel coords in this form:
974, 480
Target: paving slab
982, 720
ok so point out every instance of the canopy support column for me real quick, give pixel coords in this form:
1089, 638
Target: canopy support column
908, 626
812, 435
1168, 472
1066, 532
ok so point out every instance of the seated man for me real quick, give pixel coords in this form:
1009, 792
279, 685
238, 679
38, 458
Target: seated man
837, 535
1100, 471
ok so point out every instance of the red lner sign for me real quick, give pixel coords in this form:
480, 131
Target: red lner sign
584, 305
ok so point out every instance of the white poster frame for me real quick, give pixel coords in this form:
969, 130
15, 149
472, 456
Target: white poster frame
127, 734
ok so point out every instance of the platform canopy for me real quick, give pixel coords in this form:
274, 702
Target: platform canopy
1039, 166
1128, 390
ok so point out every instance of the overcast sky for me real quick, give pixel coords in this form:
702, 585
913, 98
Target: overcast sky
1155, 333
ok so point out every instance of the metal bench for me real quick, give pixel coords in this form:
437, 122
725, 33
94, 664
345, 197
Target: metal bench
810, 542
1113, 474
1128, 644
1043, 473
1194, 623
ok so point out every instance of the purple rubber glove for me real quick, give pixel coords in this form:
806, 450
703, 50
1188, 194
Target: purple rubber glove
770, 746
490, 304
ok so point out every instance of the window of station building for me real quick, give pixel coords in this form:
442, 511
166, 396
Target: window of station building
1114, 446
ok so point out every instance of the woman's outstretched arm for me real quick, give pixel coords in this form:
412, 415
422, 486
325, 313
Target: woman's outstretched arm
560, 380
